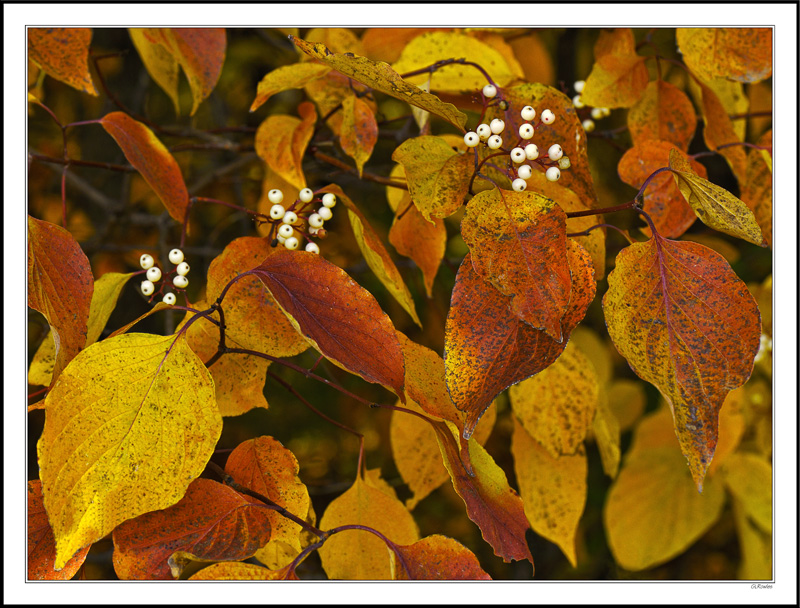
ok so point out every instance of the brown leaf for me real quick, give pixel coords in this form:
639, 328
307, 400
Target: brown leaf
63, 53
152, 159
437, 558
619, 76
339, 317
281, 142
42, 543
211, 522
285, 77
487, 348
60, 286
382, 78
518, 243
359, 131
663, 112
687, 324
743, 54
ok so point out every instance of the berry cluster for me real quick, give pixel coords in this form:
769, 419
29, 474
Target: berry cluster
154, 275
520, 169
595, 113
286, 222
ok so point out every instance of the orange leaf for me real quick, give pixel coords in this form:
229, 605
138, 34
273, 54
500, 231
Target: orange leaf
265, 466
211, 522
719, 131
330, 91
359, 131
152, 159
756, 192
438, 176
346, 325
60, 286
743, 54
63, 53
669, 211
253, 318
619, 75
663, 112
534, 58
518, 243
42, 543
281, 142
437, 558
293, 76
237, 571
687, 324
487, 348
386, 43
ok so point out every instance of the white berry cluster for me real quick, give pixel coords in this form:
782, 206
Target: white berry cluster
522, 154
154, 274
596, 113
287, 232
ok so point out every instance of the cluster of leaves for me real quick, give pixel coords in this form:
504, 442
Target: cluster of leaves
134, 421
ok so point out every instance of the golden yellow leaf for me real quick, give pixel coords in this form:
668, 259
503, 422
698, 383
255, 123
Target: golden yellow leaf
359, 130
605, 429
749, 478
626, 401
719, 132
732, 98
731, 427
130, 423
158, 60
743, 54
237, 571
619, 75
281, 142
597, 350
556, 406
553, 489
285, 77
756, 192
716, 207
534, 58
754, 544
357, 554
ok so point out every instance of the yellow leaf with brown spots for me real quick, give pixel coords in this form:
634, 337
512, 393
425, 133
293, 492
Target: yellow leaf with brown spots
743, 54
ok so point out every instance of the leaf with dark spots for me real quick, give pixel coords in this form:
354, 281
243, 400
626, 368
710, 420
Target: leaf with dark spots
63, 53
436, 557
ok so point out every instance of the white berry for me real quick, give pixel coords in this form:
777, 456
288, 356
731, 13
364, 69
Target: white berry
577, 102
148, 288
325, 213
497, 126
552, 174
605, 112
154, 274
524, 171
494, 142
291, 243
276, 212
281, 240
146, 261
519, 185
180, 281
176, 256
329, 199
578, 86
555, 152
484, 131
306, 195
588, 125
183, 269
528, 113
489, 91
597, 113
526, 131
169, 298
275, 196
564, 163
548, 117
312, 247
517, 155
472, 139
532, 151
315, 220
285, 231
290, 217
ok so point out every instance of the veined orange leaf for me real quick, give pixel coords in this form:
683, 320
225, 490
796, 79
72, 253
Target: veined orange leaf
716, 207
359, 130
211, 522
518, 243
293, 76
437, 557
487, 348
687, 324
663, 112
63, 53
152, 159
237, 571
737, 53
381, 77
60, 286
619, 75
341, 319
719, 131
123, 435
756, 192
281, 142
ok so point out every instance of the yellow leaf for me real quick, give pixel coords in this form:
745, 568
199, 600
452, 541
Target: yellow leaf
281, 142
237, 571
716, 207
743, 54
626, 400
130, 423
159, 62
357, 554
359, 130
552, 489
756, 192
423, 50
731, 96
557, 405
619, 75
749, 478
605, 429
754, 544
731, 427
294, 76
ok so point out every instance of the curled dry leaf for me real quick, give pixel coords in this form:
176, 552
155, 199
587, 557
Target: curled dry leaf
743, 54
152, 159
693, 334
63, 53
436, 558
211, 522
